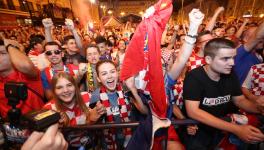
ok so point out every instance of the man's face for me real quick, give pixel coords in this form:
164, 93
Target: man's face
38, 47
92, 55
223, 61
122, 45
71, 45
5, 63
102, 47
53, 54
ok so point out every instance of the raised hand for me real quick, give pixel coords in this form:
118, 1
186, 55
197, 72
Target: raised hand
196, 17
69, 23
47, 23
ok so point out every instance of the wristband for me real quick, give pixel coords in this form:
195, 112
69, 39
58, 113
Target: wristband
190, 40
11, 45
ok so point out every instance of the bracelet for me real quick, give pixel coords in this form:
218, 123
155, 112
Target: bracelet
192, 36
11, 45
190, 40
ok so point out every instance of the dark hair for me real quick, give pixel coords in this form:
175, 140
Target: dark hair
52, 43
2, 42
36, 39
215, 44
67, 38
103, 62
231, 26
205, 32
100, 39
94, 46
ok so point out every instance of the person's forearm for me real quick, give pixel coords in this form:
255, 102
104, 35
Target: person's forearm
240, 30
48, 36
138, 102
78, 41
27, 67
163, 37
210, 120
180, 62
246, 105
210, 25
249, 95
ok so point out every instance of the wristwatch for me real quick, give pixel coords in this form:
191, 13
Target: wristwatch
190, 39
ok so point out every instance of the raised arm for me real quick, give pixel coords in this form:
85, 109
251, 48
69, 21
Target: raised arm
19, 60
242, 27
173, 38
210, 25
196, 18
257, 37
48, 24
70, 25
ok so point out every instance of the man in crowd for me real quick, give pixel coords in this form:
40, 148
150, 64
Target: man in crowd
11, 69
211, 92
246, 53
54, 54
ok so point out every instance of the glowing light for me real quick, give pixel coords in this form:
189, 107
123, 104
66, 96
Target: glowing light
141, 12
122, 13
92, 1
91, 25
110, 12
261, 15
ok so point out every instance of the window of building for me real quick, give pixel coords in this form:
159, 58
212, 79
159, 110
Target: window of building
22, 5
11, 5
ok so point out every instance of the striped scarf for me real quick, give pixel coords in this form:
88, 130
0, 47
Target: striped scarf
90, 78
124, 112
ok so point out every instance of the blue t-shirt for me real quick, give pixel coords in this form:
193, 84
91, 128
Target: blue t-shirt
243, 61
44, 80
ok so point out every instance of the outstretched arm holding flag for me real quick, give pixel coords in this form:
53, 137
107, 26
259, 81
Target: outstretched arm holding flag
143, 57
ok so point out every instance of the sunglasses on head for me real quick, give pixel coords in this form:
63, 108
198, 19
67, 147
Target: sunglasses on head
56, 52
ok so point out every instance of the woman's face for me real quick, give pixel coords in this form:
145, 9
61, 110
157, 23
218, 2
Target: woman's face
108, 76
231, 31
65, 90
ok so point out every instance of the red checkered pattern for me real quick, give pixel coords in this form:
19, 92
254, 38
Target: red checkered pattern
195, 62
177, 91
166, 54
124, 112
71, 69
258, 79
76, 116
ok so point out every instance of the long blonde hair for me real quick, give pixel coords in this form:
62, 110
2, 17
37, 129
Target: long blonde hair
77, 96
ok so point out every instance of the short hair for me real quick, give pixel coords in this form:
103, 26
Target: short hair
52, 43
212, 47
2, 42
67, 38
101, 62
94, 46
100, 39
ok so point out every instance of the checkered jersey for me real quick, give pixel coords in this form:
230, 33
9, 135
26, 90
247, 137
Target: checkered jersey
257, 79
177, 91
76, 116
195, 62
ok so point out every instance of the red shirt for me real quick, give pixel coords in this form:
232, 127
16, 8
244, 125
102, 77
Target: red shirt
33, 101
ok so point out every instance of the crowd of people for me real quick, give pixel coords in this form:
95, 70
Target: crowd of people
213, 72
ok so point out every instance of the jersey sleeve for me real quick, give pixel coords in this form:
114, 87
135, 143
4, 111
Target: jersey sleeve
248, 81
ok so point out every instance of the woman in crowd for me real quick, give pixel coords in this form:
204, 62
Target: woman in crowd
73, 107
111, 95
